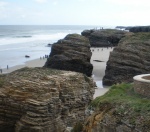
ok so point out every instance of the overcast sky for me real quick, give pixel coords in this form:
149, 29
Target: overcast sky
75, 12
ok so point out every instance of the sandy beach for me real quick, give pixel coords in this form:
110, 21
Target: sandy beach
32, 63
98, 54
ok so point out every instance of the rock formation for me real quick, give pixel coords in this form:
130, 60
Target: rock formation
72, 54
43, 100
140, 29
131, 57
104, 37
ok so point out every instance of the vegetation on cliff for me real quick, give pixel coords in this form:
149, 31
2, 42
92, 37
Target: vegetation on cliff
120, 109
124, 95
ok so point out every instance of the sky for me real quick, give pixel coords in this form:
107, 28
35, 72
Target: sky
75, 12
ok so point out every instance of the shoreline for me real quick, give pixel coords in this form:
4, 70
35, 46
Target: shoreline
31, 63
100, 54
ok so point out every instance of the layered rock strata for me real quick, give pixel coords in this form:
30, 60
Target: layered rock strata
43, 100
104, 37
72, 54
131, 57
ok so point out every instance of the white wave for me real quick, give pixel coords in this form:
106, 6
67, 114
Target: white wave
40, 37
50, 37
17, 48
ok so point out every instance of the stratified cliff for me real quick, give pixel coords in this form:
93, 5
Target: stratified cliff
131, 57
43, 100
104, 37
119, 110
72, 54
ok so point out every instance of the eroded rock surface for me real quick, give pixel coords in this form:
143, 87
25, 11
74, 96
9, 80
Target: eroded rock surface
43, 100
131, 57
72, 54
104, 37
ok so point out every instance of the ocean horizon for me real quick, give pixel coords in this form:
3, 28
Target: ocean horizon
16, 41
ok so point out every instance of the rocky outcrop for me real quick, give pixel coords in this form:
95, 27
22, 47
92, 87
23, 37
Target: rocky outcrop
140, 29
72, 54
104, 37
119, 110
43, 100
131, 57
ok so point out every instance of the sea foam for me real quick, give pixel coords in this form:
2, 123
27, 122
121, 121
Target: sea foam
23, 39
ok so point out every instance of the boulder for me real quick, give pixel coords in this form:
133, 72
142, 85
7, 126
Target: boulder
72, 54
43, 100
104, 37
131, 57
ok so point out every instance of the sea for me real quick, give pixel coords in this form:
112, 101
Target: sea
17, 41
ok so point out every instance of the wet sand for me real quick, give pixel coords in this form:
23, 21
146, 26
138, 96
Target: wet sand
100, 54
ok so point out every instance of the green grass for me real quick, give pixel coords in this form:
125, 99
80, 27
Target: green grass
124, 95
125, 103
